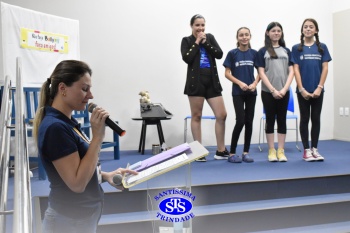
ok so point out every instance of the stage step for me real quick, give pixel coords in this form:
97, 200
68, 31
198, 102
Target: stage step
270, 204
243, 207
111, 219
339, 227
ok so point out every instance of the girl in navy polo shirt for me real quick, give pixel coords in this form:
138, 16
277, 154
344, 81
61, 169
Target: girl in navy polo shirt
310, 58
239, 69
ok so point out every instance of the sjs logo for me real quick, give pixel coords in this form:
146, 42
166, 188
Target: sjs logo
175, 206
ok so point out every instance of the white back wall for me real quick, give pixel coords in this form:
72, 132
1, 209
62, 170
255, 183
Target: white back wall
135, 45
341, 73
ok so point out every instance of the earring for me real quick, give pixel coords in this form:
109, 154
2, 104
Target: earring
63, 93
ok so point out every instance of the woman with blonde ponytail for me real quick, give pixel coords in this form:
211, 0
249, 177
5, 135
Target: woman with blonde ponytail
70, 158
42, 103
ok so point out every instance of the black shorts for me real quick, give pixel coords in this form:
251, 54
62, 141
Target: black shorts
206, 88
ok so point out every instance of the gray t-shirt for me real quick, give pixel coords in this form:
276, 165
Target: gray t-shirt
276, 70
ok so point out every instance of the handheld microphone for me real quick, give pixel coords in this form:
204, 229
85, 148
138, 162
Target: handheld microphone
117, 179
111, 124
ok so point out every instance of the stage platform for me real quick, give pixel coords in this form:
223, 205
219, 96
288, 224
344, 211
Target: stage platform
294, 196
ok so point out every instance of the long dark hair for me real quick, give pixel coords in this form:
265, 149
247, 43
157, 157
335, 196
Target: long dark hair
318, 43
268, 43
67, 72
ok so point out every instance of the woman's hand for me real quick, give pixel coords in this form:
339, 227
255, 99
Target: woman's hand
201, 38
97, 121
108, 176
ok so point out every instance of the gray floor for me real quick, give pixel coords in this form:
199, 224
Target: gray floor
336, 153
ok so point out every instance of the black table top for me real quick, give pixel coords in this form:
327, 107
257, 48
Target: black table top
150, 118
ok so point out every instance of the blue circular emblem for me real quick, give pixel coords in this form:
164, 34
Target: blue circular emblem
175, 206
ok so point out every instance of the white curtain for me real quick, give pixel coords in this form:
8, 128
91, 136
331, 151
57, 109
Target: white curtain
36, 65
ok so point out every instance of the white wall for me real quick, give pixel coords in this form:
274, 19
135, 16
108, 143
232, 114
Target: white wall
340, 5
341, 74
135, 45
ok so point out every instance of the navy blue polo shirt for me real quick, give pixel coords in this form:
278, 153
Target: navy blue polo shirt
310, 62
241, 64
57, 139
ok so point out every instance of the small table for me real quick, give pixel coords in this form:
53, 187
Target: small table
150, 121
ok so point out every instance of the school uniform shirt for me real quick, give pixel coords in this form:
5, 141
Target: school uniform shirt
57, 139
310, 64
241, 64
276, 70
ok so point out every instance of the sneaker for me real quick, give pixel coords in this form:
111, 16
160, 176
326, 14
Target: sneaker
317, 155
247, 159
222, 154
272, 155
234, 159
308, 155
203, 159
281, 156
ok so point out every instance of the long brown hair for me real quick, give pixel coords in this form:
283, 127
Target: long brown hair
268, 43
318, 43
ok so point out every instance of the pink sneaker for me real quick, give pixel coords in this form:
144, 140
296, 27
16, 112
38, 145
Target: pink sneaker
317, 155
308, 156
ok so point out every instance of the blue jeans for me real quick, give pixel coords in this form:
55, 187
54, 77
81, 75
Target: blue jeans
57, 223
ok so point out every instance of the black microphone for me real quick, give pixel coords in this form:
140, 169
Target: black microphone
112, 124
117, 179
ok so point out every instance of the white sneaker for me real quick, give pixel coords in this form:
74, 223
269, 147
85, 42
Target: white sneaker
308, 156
317, 155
